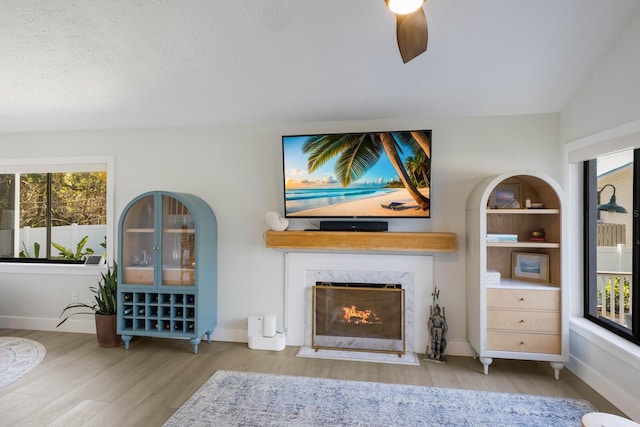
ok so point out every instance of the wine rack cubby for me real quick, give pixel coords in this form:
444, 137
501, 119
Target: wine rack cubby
158, 312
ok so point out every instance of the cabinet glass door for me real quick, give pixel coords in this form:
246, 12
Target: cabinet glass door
138, 243
178, 244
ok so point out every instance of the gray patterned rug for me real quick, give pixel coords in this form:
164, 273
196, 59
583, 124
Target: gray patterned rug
17, 357
232, 398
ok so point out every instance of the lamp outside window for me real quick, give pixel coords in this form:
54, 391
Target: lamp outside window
611, 206
404, 7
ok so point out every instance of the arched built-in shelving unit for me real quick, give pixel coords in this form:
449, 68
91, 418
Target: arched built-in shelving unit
521, 317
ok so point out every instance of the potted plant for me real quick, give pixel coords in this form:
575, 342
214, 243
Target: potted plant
104, 308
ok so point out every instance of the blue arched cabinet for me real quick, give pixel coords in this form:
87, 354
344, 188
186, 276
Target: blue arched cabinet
167, 268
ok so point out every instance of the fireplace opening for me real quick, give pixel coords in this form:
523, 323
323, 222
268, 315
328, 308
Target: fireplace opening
359, 316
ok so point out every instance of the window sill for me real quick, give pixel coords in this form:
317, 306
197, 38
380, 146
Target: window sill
607, 341
51, 269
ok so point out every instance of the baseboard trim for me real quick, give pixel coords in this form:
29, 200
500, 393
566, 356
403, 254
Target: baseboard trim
87, 326
619, 351
606, 388
459, 348
230, 335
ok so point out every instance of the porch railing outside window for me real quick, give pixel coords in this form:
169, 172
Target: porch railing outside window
615, 296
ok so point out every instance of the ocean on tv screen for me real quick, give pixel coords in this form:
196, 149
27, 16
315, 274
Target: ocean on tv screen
302, 199
353, 202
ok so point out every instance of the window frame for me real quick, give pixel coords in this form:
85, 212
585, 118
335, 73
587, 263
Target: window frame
66, 164
589, 180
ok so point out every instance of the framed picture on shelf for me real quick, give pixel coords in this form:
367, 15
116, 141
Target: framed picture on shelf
505, 196
530, 266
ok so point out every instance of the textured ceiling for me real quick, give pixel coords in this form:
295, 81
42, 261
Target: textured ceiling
95, 64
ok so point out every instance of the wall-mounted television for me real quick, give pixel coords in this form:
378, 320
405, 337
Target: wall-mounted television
358, 175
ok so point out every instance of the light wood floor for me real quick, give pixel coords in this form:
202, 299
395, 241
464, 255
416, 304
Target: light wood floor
79, 383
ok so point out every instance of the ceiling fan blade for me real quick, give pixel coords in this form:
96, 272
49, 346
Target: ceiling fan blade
412, 34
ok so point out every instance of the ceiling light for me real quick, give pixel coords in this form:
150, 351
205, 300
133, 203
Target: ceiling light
403, 7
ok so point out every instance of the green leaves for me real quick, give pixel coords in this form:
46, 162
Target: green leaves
25, 253
78, 254
106, 294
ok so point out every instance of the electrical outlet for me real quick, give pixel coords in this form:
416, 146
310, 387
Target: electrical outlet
74, 296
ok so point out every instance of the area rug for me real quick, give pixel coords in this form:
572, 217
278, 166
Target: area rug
17, 357
232, 398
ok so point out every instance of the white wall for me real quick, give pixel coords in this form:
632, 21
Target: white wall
237, 170
602, 117
610, 97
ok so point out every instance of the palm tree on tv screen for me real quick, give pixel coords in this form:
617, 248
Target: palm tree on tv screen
357, 153
419, 167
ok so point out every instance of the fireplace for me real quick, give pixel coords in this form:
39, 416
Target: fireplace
414, 273
358, 316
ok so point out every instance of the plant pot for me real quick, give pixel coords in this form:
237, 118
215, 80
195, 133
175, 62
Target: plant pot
106, 330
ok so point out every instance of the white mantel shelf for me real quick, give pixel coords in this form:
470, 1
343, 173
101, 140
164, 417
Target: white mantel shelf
294, 240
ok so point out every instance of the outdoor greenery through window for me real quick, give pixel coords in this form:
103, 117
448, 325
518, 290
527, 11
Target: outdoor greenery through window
52, 216
612, 297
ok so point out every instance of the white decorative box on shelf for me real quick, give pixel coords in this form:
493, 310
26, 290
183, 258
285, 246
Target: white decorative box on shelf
493, 278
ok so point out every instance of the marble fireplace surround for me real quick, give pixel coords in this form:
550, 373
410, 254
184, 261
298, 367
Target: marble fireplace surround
303, 270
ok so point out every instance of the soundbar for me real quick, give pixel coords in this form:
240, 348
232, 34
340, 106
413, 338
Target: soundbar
354, 226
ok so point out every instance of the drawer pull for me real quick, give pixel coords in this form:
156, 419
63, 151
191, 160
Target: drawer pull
522, 343
521, 320
521, 299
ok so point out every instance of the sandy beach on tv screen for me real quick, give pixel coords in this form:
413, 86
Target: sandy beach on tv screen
403, 206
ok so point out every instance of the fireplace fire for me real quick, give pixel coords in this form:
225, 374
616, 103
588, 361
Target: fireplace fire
353, 316
359, 316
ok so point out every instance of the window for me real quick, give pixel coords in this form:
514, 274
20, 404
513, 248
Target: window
612, 297
54, 211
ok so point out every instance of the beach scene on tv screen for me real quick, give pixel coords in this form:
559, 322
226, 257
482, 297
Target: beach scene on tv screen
378, 174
